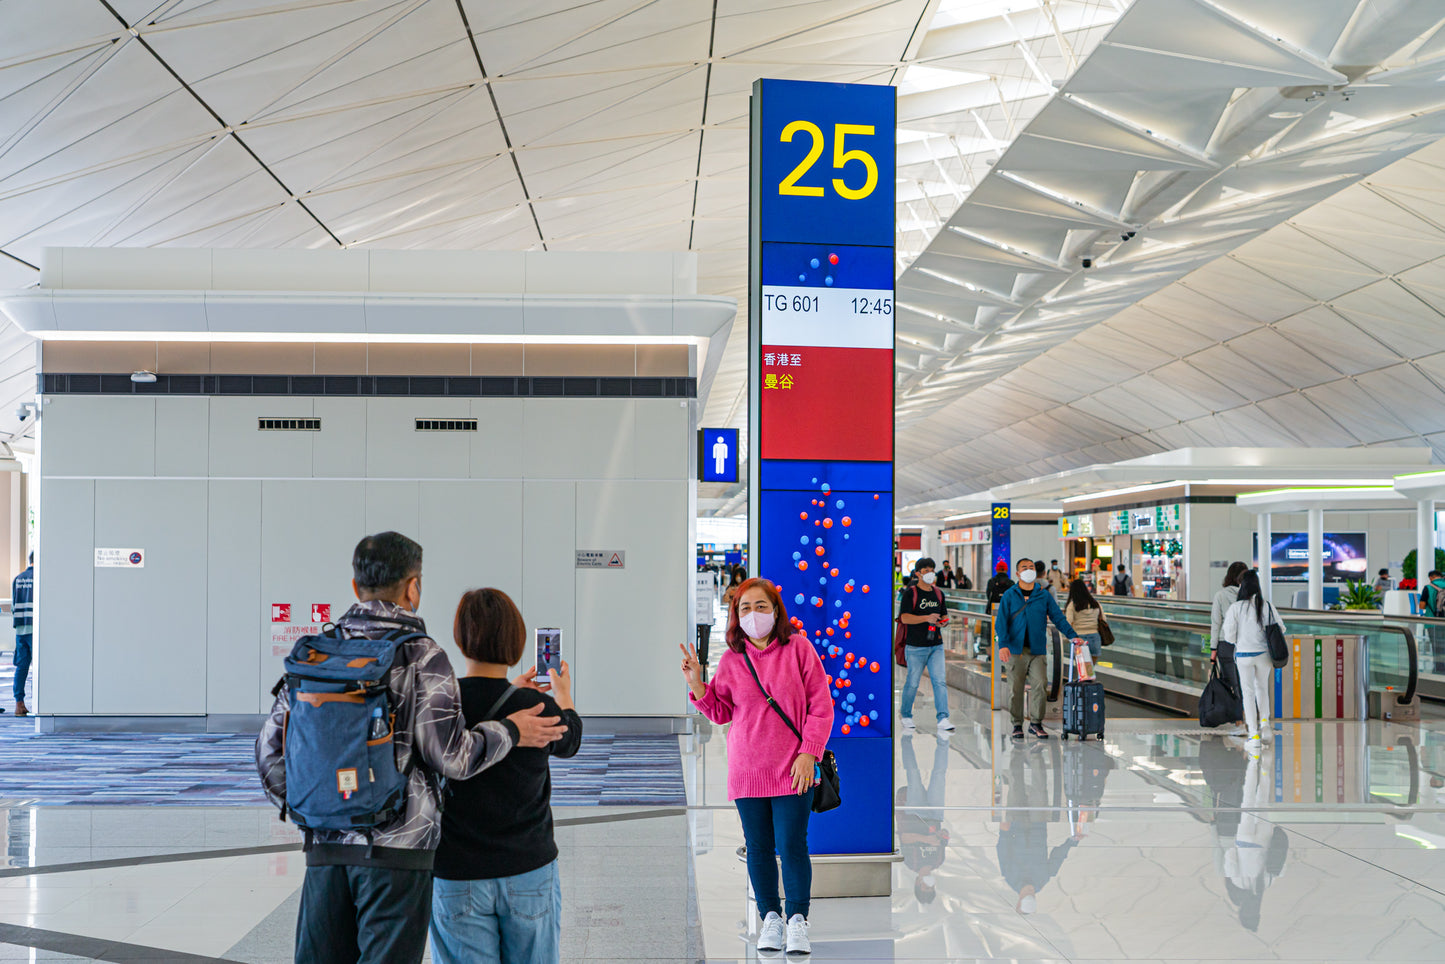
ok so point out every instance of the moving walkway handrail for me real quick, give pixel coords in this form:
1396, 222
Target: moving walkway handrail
1379, 622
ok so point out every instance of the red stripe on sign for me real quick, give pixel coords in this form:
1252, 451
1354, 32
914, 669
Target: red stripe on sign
827, 403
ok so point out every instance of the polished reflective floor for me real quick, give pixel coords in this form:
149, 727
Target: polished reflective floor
1163, 843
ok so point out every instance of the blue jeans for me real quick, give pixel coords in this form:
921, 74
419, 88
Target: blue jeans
778, 826
918, 659
23, 653
1095, 642
508, 920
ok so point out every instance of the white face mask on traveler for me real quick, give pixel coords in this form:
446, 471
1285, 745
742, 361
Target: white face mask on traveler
928, 578
756, 625
1026, 575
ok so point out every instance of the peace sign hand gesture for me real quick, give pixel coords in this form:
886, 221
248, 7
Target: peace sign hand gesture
692, 671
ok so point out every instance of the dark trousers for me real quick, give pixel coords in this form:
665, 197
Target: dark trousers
23, 653
778, 826
363, 915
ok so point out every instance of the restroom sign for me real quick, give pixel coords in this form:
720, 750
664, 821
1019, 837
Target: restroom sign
601, 559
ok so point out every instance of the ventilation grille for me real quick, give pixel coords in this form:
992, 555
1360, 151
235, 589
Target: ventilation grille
446, 425
288, 424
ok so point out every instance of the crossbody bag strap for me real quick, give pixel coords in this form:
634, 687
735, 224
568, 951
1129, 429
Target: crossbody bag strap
776, 708
506, 695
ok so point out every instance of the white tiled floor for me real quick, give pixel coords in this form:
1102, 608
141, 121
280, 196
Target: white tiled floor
1350, 818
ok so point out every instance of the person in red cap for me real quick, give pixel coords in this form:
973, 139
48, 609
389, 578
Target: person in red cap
997, 586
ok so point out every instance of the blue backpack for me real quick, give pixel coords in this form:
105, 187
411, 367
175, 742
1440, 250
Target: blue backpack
341, 771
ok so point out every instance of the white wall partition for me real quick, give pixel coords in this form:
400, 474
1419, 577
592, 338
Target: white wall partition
233, 520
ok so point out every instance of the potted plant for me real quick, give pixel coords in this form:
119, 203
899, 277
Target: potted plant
1359, 595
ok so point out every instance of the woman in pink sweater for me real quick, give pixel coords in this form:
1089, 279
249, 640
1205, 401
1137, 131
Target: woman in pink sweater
770, 774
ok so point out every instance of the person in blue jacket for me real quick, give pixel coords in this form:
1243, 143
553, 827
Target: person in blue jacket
1023, 639
22, 606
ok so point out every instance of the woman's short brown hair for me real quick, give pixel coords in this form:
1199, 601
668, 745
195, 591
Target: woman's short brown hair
782, 627
488, 627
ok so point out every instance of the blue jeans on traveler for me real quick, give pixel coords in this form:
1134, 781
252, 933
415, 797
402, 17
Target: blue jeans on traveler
508, 920
23, 652
778, 826
918, 659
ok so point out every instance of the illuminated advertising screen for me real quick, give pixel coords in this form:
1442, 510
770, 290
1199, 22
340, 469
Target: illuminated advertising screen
1289, 556
821, 480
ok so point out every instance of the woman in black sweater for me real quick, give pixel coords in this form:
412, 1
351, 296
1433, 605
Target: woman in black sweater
497, 895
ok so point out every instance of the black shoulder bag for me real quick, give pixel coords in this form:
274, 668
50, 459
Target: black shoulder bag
827, 794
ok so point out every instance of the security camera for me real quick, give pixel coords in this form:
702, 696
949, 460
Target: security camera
1088, 263
23, 412
1127, 236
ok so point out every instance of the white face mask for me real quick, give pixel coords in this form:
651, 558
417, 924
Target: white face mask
928, 578
757, 625
1026, 576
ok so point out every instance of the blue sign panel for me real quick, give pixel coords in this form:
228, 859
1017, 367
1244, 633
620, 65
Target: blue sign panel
717, 455
1003, 536
821, 443
828, 162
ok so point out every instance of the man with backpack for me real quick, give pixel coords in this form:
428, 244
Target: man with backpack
922, 613
1123, 582
367, 723
1431, 595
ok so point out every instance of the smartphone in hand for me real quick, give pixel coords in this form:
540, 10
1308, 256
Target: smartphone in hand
549, 651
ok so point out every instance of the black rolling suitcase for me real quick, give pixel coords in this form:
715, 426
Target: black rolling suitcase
1083, 708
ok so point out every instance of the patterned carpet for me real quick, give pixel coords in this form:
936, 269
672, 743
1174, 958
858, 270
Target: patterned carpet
210, 769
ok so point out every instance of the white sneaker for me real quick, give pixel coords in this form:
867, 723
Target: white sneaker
907, 724
1253, 739
771, 936
798, 942
946, 724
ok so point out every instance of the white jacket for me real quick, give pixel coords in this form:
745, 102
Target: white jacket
1222, 601
1245, 631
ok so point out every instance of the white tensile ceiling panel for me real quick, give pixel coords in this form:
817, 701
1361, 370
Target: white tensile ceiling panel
1032, 136
1289, 178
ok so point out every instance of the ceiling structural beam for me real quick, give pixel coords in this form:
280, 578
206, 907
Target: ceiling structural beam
702, 129
229, 129
1107, 218
1036, 260
993, 297
1270, 37
19, 260
1065, 47
1022, 44
1139, 130
502, 124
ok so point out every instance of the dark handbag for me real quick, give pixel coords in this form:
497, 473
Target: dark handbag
1217, 704
1106, 635
1278, 648
827, 794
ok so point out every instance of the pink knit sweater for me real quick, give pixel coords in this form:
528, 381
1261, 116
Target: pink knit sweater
761, 748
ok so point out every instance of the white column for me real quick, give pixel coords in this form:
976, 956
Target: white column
1266, 564
1317, 552
1424, 539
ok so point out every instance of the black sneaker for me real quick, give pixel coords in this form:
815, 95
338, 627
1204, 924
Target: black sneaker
1038, 730
1018, 733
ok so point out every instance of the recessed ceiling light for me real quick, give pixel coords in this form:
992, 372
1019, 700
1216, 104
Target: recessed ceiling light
1286, 114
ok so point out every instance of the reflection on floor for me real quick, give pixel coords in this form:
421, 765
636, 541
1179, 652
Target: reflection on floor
1164, 843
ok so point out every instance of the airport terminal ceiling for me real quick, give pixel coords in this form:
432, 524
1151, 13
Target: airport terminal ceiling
1278, 285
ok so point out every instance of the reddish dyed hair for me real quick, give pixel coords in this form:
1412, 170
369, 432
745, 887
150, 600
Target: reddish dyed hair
782, 628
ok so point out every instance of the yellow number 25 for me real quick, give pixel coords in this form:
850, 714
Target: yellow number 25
841, 158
